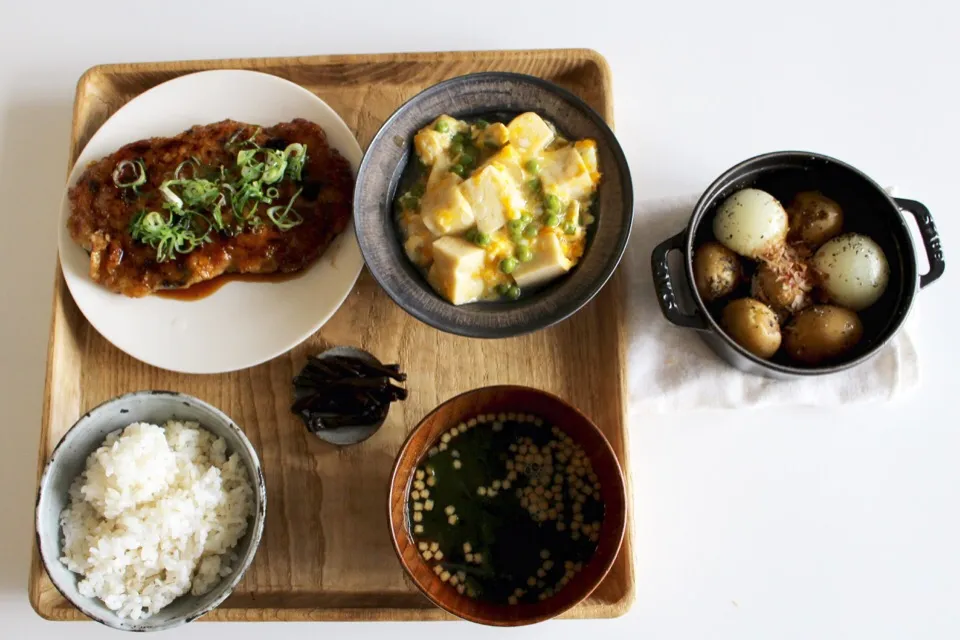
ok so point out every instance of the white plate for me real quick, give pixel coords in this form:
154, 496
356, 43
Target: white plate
243, 323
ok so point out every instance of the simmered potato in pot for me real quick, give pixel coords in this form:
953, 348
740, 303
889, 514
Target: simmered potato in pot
716, 271
785, 288
814, 218
821, 334
753, 325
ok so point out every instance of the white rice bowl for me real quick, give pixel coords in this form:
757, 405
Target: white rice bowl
154, 516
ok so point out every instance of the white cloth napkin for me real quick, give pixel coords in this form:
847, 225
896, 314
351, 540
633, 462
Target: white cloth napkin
672, 369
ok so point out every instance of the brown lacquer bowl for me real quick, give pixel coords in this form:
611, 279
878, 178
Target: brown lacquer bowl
555, 411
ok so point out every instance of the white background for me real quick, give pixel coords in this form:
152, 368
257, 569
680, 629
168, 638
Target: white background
751, 524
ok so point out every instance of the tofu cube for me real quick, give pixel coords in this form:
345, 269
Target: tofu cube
507, 159
548, 263
565, 175
431, 145
496, 134
419, 240
444, 209
530, 134
493, 196
588, 152
455, 273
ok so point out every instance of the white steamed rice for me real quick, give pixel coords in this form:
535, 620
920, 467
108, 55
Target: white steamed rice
154, 516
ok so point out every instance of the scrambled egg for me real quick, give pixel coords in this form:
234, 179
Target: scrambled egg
498, 207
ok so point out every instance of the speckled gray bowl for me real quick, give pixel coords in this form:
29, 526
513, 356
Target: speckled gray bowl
68, 461
490, 95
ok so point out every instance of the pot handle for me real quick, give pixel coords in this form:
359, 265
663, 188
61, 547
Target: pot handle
664, 286
931, 239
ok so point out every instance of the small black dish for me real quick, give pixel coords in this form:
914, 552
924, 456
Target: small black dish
867, 209
474, 96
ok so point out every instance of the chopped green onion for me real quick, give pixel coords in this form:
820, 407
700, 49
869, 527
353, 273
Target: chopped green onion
168, 193
190, 161
246, 156
275, 164
296, 155
287, 218
272, 193
139, 174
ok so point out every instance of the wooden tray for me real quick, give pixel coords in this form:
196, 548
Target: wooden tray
326, 552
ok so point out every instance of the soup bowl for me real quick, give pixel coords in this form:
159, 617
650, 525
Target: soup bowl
553, 410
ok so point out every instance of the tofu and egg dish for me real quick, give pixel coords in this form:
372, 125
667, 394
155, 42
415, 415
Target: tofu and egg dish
493, 209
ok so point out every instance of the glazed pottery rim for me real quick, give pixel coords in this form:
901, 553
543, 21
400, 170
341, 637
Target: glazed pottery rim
712, 194
564, 310
255, 527
617, 537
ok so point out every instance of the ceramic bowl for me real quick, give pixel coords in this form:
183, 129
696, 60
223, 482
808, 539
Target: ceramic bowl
68, 461
555, 411
497, 97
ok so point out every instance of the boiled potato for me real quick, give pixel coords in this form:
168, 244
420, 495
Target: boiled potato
853, 270
753, 325
716, 271
752, 223
822, 333
814, 218
785, 288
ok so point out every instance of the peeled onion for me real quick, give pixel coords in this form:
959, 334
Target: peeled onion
751, 223
853, 269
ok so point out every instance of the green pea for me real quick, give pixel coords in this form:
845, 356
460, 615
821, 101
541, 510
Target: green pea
456, 147
534, 185
524, 254
551, 220
532, 166
516, 236
471, 234
460, 170
481, 123
570, 229
526, 216
409, 201
513, 293
467, 159
503, 288
442, 126
507, 265
482, 239
530, 232
516, 225
551, 204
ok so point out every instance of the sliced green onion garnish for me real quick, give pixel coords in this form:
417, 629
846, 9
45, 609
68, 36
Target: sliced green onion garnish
168, 193
285, 218
138, 178
275, 163
272, 193
194, 162
296, 155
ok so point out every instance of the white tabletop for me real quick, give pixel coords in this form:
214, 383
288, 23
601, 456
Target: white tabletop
763, 524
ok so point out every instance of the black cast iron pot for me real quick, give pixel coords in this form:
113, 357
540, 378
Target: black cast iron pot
867, 210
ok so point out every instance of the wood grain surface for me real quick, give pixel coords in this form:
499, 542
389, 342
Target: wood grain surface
326, 552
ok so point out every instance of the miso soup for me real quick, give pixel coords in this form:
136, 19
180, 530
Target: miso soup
506, 508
